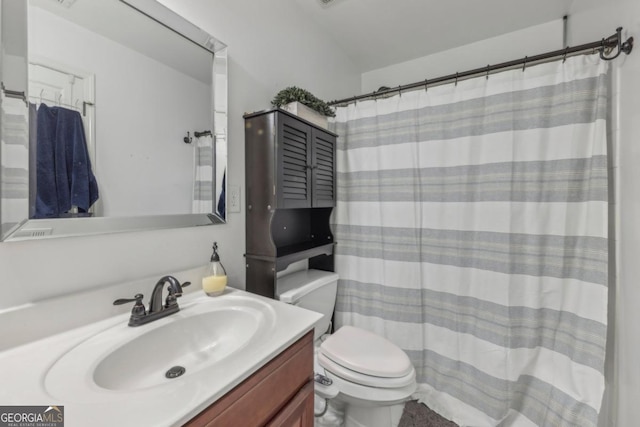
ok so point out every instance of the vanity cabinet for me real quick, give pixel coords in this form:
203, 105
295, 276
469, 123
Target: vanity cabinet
291, 191
280, 394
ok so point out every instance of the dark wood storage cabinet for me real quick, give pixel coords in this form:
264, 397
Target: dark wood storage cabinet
291, 191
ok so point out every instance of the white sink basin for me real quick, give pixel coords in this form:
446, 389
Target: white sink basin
191, 343
200, 336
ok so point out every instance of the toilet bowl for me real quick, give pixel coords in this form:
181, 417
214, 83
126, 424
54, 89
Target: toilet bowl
371, 377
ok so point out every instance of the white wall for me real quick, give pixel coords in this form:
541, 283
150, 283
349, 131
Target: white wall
270, 47
589, 21
529, 41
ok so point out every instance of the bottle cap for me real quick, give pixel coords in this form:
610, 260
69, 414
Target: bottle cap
214, 256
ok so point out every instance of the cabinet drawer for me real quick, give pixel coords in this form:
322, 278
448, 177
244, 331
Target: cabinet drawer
262, 396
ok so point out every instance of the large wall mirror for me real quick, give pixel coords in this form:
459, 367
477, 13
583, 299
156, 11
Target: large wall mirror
125, 106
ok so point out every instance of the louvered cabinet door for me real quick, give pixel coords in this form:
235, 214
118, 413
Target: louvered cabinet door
294, 163
323, 169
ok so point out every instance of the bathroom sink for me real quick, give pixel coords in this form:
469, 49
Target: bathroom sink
202, 335
190, 343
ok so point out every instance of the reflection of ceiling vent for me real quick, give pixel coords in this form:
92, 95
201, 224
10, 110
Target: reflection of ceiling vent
33, 232
66, 3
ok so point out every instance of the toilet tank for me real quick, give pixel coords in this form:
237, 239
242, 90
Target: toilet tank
311, 289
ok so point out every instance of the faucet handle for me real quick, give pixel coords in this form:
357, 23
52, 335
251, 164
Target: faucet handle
182, 286
177, 291
172, 298
137, 298
138, 308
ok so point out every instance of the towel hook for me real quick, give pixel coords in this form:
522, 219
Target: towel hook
187, 139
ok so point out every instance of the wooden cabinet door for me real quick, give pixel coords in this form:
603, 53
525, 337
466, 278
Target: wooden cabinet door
277, 393
294, 163
298, 412
306, 165
323, 166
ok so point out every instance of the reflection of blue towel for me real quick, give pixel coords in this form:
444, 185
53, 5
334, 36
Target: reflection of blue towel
33, 150
64, 176
222, 201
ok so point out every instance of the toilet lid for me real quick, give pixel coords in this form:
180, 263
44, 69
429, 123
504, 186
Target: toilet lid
367, 353
333, 370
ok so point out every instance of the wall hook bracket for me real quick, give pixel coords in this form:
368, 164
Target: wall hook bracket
615, 42
187, 139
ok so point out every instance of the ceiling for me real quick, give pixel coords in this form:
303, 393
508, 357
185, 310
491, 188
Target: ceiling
136, 31
377, 33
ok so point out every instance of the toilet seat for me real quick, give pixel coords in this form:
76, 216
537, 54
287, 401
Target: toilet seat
366, 359
364, 379
362, 395
367, 353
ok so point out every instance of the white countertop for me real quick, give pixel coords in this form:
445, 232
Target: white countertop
25, 369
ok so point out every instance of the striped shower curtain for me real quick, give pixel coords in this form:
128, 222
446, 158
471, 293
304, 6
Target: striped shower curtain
203, 175
472, 231
14, 164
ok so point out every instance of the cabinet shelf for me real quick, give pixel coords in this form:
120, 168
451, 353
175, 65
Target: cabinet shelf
293, 253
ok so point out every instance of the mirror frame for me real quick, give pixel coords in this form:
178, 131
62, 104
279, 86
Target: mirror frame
30, 229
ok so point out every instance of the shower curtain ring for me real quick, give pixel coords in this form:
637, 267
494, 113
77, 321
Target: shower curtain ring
426, 85
456, 84
524, 65
566, 51
487, 76
400, 90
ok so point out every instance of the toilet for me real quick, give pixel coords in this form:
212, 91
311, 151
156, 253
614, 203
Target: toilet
371, 377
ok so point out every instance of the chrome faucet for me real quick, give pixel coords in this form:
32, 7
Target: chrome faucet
157, 310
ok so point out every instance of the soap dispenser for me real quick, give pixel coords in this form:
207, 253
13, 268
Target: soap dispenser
215, 277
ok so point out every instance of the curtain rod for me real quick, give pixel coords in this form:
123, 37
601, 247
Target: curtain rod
604, 46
